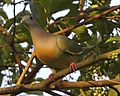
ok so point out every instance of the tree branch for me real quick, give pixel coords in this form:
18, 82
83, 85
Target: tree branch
117, 18
85, 84
88, 20
64, 84
81, 16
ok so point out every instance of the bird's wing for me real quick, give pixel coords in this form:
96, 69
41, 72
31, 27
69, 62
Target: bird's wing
69, 46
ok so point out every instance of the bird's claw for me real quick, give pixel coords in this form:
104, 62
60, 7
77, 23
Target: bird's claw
73, 66
51, 78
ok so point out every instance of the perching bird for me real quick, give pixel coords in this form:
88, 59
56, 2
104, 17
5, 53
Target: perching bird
56, 51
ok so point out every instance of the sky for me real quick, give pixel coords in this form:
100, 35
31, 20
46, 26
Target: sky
43, 72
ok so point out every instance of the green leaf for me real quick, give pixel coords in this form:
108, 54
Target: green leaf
95, 38
6, 52
39, 93
101, 24
115, 38
43, 9
1, 77
18, 47
6, 57
9, 22
113, 92
1, 61
94, 6
81, 34
22, 35
99, 39
8, 1
3, 14
54, 6
2, 39
80, 29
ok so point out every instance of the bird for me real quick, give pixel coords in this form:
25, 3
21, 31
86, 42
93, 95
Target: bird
56, 51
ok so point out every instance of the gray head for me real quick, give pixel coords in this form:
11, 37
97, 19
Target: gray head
28, 21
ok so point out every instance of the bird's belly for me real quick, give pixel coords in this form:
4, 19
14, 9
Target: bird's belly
54, 58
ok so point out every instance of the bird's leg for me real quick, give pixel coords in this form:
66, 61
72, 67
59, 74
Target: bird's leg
73, 67
51, 78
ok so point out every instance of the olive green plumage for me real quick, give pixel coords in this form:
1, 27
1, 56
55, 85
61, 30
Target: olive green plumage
56, 51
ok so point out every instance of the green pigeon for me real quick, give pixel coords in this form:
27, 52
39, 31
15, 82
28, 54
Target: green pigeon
56, 51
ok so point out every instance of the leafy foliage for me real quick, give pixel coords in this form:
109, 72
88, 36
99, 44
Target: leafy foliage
115, 38
102, 32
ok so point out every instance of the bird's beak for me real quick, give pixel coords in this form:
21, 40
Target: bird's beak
22, 20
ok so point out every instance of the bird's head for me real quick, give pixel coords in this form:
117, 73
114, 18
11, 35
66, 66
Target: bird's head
28, 21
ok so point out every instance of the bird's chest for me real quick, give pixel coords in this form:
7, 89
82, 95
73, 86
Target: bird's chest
46, 52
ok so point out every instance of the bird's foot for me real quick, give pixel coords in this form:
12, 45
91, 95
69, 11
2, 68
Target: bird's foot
51, 78
73, 67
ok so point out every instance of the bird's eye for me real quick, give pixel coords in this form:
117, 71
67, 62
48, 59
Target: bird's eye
31, 18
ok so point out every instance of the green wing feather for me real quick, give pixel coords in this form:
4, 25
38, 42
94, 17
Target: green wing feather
69, 46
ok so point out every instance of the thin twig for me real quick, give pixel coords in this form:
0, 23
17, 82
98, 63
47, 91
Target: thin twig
114, 18
28, 79
17, 57
13, 3
25, 69
81, 4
